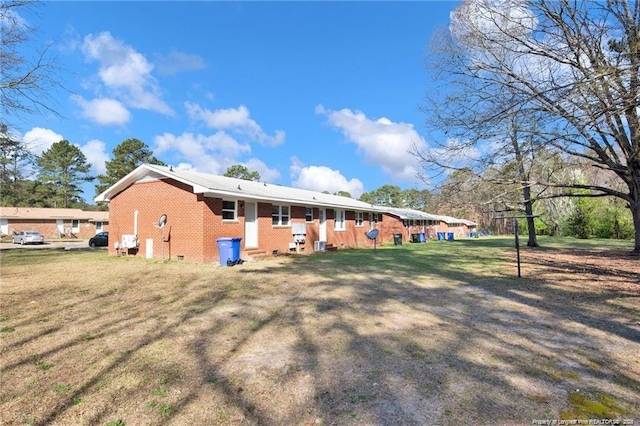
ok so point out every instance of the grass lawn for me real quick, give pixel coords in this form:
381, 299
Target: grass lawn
437, 333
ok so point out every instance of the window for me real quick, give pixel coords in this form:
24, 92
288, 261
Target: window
339, 220
75, 226
280, 215
359, 218
228, 210
98, 227
308, 214
375, 217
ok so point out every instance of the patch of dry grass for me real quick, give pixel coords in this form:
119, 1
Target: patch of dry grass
419, 334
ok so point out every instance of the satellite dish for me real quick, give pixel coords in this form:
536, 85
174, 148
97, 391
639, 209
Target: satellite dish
162, 221
372, 235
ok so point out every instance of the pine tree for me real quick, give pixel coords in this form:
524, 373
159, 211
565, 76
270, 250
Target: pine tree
66, 168
126, 157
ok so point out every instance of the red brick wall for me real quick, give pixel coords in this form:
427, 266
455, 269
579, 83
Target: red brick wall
48, 227
195, 223
184, 234
388, 226
393, 225
352, 236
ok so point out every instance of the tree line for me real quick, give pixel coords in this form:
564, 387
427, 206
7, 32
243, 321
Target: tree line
55, 177
536, 114
494, 201
525, 88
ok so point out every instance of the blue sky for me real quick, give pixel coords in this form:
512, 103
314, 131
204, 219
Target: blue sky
317, 95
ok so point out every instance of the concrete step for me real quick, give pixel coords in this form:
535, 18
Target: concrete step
253, 254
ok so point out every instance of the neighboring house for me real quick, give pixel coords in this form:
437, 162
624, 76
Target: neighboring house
200, 208
459, 227
53, 223
409, 222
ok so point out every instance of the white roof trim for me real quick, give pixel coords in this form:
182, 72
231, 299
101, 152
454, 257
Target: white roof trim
237, 189
222, 186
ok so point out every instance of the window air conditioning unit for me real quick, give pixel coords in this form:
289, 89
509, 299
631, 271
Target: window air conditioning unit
129, 241
319, 245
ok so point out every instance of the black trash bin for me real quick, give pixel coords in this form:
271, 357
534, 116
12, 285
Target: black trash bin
397, 239
415, 238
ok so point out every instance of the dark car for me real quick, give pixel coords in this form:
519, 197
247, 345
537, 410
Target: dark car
101, 239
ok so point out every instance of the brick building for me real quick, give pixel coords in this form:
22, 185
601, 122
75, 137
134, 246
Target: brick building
200, 208
409, 222
53, 223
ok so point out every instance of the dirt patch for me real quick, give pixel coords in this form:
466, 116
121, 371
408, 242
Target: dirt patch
395, 337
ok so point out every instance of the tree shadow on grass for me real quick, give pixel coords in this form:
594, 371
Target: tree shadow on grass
440, 334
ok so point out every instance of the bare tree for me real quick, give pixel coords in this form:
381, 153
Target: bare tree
574, 64
28, 74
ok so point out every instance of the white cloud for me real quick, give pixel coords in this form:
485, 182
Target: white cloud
104, 111
382, 142
209, 154
496, 20
38, 140
459, 154
177, 62
236, 120
95, 151
266, 174
322, 178
185, 167
125, 73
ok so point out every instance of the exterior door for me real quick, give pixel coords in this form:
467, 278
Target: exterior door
60, 227
250, 225
322, 220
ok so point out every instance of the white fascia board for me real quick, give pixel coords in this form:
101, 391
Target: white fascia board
123, 183
197, 189
144, 173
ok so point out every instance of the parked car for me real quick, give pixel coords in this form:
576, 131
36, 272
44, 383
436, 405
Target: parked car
28, 237
101, 239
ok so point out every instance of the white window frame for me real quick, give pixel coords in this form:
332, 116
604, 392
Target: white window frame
98, 227
227, 210
75, 225
308, 214
280, 215
339, 220
359, 219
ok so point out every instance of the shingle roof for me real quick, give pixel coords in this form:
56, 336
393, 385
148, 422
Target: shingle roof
411, 214
222, 186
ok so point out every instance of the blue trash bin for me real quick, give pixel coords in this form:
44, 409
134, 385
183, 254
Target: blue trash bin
440, 236
423, 237
225, 248
450, 236
235, 244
